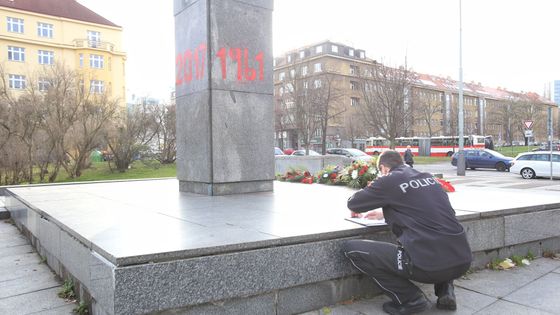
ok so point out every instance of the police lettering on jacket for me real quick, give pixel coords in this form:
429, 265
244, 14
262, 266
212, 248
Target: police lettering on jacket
417, 183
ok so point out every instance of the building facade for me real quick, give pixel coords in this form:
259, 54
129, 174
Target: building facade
35, 34
342, 71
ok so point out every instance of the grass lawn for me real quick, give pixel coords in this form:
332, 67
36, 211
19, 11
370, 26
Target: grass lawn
430, 159
100, 171
513, 151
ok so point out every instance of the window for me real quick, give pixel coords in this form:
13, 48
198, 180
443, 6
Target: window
15, 25
81, 60
96, 61
318, 67
354, 70
351, 52
17, 81
96, 86
555, 158
16, 53
354, 85
93, 38
317, 84
334, 49
304, 70
354, 101
302, 54
43, 84
318, 49
305, 84
45, 30
362, 55
292, 73
46, 57
281, 76
289, 58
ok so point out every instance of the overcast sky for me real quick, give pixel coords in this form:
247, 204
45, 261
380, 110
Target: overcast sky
507, 43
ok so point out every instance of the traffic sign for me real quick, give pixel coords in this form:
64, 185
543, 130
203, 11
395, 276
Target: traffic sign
528, 124
528, 133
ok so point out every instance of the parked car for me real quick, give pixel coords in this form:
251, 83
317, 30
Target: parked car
288, 151
536, 164
278, 151
354, 154
486, 158
546, 147
302, 153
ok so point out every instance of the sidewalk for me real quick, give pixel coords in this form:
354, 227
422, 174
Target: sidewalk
529, 290
27, 285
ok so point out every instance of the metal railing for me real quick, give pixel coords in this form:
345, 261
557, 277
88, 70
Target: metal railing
94, 44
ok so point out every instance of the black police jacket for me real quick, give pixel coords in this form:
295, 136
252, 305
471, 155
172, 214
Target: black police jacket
419, 213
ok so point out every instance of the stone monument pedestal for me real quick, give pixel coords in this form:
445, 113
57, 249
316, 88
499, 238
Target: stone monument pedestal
224, 88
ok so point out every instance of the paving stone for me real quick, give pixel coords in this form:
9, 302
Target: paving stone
63, 310
16, 272
500, 283
507, 308
20, 260
543, 294
13, 241
33, 282
43, 300
16, 250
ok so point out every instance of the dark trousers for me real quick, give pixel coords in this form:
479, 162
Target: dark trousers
410, 164
391, 269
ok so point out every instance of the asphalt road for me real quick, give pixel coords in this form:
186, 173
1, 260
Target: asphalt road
489, 178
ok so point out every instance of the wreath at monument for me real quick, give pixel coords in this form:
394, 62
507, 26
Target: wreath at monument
296, 175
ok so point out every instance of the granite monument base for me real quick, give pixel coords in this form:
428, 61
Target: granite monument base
143, 247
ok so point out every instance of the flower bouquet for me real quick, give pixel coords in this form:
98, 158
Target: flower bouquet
296, 176
329, 175
359, 174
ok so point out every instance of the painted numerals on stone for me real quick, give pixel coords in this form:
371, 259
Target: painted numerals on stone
190, 64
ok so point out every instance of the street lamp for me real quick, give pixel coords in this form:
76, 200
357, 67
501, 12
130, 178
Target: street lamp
461, 153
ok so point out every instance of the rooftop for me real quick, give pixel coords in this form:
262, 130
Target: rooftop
69, 9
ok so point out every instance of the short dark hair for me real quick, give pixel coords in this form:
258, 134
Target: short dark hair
390, 159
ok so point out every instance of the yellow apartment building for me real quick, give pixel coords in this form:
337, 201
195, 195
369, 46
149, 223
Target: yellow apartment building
41, 33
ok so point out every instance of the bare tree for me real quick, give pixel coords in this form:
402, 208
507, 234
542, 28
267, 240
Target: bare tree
327, 96
165, 122
427, 107
131, 135
386, 106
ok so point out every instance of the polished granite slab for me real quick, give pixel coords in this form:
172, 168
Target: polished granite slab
136, 222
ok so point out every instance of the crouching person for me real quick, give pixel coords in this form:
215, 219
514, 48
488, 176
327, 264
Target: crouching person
432, 245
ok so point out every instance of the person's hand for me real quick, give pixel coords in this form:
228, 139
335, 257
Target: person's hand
355, 214
374, 215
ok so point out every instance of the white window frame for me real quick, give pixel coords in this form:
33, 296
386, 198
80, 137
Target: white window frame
351, 52
362, 55
289, 58
45, 30
96, 61
353, 85
318, 67
46, 57
94, 38
319, 49
96, 86
334, 49
282, 76
81, 60
354, 70
306, 85
302, 54
16, 53
17, 81
354, 101
304, 70
43, 84
317, 83
293, 73
15, 25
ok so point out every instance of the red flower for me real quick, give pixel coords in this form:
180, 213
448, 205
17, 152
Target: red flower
307, 180
362, 172
446, 185
333, 175
306, 174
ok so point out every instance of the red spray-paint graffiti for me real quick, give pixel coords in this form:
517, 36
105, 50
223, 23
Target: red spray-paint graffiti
193, 60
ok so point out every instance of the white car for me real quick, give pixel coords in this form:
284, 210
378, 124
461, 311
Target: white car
536, 164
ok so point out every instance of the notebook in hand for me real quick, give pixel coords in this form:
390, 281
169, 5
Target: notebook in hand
367, 222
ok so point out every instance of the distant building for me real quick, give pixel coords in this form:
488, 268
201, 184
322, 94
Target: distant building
40, 33
488, 111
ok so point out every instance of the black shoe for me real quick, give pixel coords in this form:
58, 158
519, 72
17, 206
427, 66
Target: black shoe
446, 297
416, 305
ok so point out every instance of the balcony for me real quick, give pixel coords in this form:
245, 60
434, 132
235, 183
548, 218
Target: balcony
93, 44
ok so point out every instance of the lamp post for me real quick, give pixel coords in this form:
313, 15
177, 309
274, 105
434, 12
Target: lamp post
461, 154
